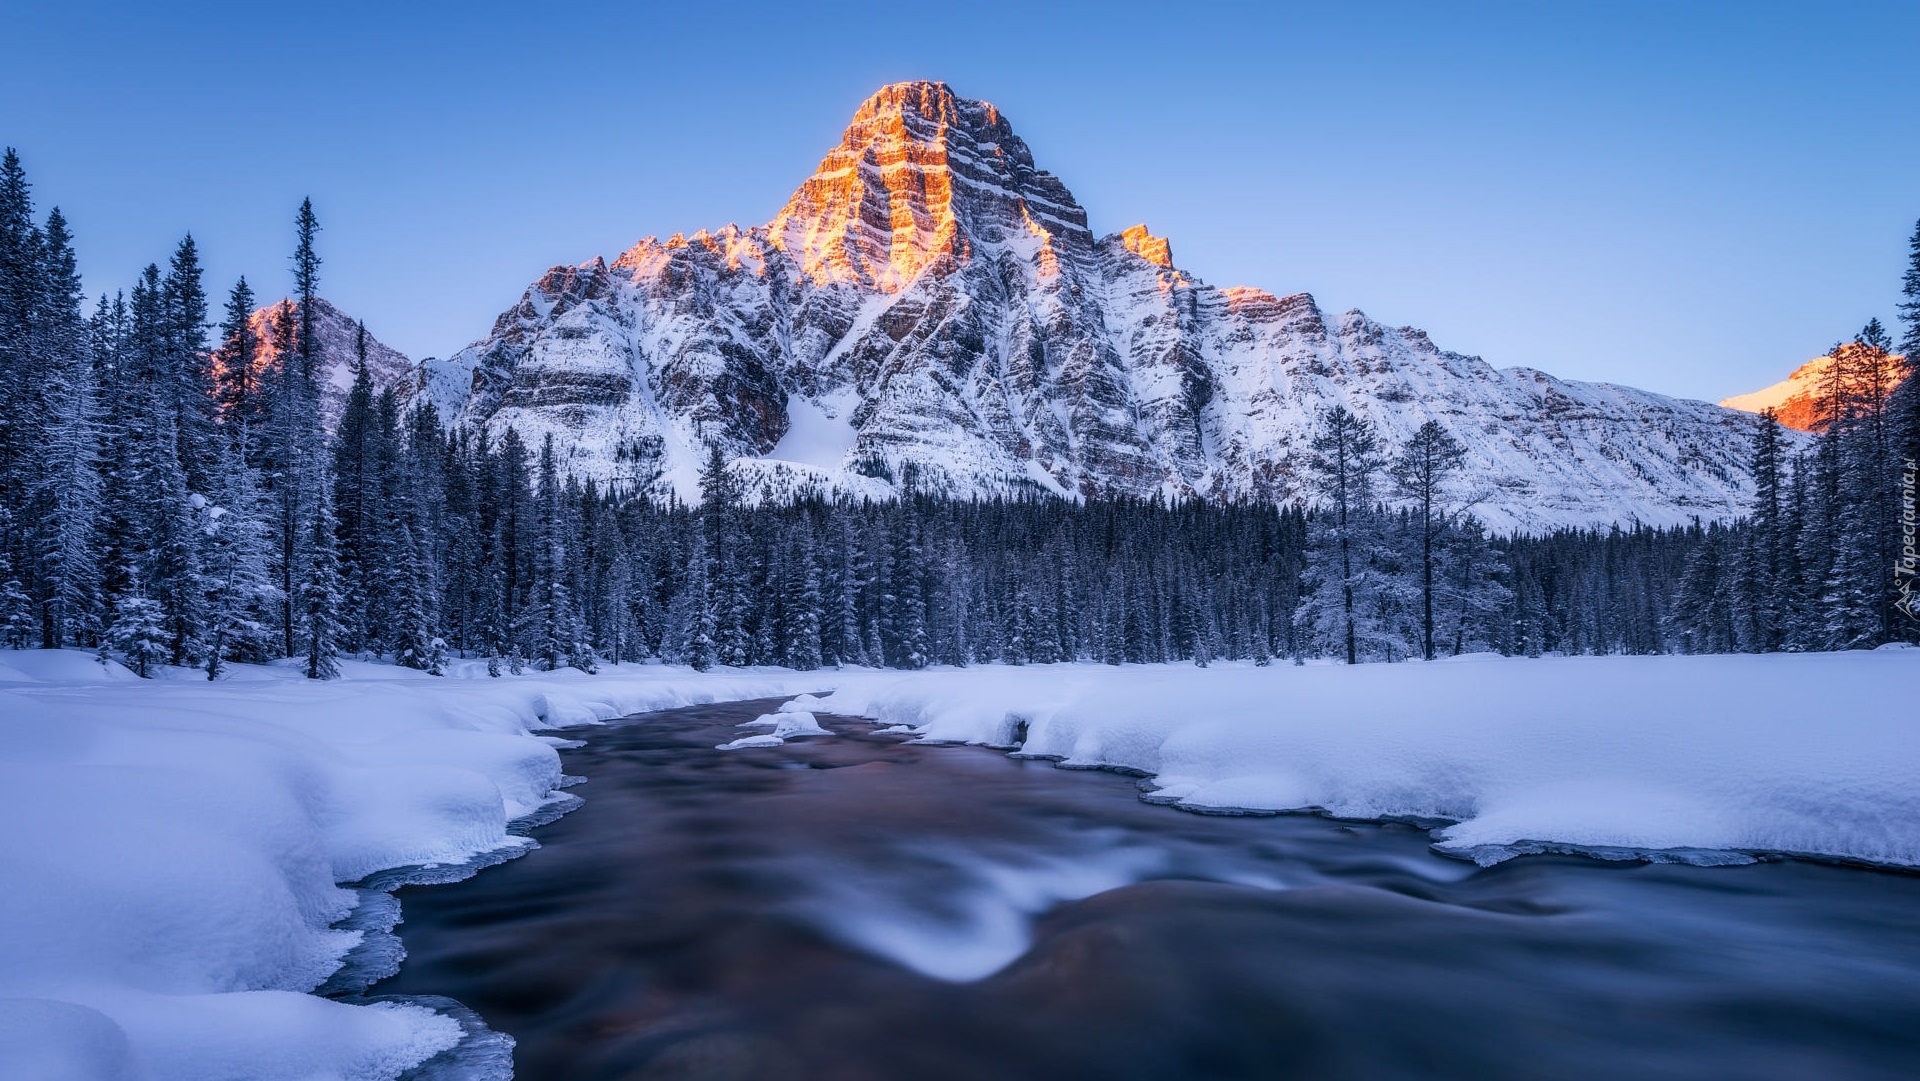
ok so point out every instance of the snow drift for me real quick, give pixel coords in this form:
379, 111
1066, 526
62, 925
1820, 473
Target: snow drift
175, 847
1674, 757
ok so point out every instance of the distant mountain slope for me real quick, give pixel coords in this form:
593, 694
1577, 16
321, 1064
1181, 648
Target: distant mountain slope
334, 332
1796, 399
931, 303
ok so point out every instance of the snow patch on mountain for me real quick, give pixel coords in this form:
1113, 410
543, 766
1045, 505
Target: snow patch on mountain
818, 434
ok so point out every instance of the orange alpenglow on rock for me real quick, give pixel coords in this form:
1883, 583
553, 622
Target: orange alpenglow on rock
1800, 400
1255, 304
1154, 249
334, 337
882, 207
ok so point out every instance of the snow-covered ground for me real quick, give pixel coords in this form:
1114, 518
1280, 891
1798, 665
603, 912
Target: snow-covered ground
174, 848
168, 871
1689, 756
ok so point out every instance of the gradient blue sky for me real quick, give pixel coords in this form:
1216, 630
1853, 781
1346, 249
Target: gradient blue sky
1689, 197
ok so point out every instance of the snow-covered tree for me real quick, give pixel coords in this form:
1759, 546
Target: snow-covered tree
319, 595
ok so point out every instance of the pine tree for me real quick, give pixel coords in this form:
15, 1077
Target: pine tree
1764, 585
241, 595
1702, 616
360, 455
409, 634
1473, 589
65, 492
802, 604
1421, 472
189, 371
695, 613
1344, 457
306, 283
154, 496
16, 608
320, 599
237, 390
906, 595
138, 632
21, 293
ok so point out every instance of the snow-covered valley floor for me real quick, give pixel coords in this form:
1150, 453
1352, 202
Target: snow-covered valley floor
175, 849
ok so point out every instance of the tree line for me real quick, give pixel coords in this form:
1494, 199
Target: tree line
169, 495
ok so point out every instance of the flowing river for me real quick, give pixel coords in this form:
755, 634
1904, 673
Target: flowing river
856, 907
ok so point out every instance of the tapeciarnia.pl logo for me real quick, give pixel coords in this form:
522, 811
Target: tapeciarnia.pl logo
1906, 569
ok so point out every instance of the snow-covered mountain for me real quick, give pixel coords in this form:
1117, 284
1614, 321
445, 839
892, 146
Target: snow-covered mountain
1796, 399
931, 303
334, 336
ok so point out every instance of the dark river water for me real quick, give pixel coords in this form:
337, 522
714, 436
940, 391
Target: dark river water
856, 908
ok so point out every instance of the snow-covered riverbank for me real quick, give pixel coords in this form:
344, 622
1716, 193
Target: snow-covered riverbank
1801, 753
175, 847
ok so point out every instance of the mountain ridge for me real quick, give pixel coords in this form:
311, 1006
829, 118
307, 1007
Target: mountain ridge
1797, 400
933, 303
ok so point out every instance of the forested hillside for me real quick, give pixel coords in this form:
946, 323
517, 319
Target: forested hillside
170, 495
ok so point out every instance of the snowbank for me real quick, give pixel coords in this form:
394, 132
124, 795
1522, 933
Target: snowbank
1683, 757
174, 847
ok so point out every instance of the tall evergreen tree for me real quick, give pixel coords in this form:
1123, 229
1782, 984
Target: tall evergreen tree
65, 489
1766, 585
1344, 456
189, 364
361, 452
320, 598
306, 285
1421, 472
237, 390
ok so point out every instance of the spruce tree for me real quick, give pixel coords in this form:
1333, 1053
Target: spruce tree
241, 595
306, 285
139, 632
320, 599
1765, 584
1421, 472
21, 292
189, 365
360, 455
65, 492
154, 494
237, 390
802, 606
1344, 457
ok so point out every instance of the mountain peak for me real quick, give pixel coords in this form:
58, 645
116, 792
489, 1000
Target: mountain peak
930, 303
927, 99
1154, 249
921, 180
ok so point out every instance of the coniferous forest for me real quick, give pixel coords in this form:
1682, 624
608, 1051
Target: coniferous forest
170, 496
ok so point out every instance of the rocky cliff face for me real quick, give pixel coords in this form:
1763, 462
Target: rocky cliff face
932, 305
334, 336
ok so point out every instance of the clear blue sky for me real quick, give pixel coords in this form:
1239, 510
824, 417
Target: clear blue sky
1689, 197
